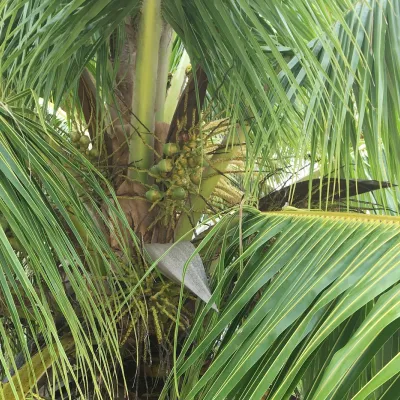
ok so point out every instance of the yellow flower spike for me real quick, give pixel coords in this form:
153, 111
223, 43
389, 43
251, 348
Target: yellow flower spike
157, 325
169, 315
128, 332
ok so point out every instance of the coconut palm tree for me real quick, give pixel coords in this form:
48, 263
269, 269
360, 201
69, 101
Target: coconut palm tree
198, 199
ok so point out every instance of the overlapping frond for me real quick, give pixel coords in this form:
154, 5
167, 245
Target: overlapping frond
58, 270
307, 300
312, 78
46, 44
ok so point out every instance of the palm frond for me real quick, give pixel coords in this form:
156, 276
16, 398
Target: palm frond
309, 79
306, 299
58, 267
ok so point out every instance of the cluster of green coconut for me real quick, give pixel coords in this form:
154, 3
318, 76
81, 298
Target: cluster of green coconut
14, 242
82, 143
179, 171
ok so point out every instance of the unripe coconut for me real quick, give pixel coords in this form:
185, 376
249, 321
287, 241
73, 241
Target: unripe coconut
165, 165
75, 136
178, 193
170, 149
195, 178
84, 142
154, 170
153, 195
93, 153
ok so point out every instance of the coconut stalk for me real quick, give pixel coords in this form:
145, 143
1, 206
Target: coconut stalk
141, 143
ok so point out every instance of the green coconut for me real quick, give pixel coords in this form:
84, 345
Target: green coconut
195, 178
153, 195
165, 165
93, 153
178, 193
170, 149
154, 170
75, 136
84, 142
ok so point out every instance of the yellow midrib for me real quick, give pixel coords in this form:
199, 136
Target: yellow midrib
387, 219
40, 362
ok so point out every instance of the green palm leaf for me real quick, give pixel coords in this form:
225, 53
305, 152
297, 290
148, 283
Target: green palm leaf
51, 282
311, 272
308, 301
